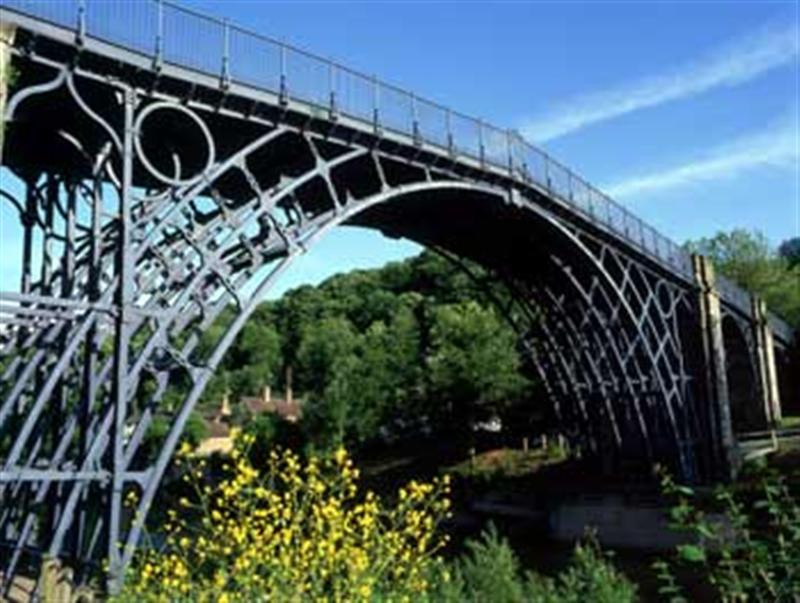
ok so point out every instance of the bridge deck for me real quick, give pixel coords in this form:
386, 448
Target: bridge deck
161, 36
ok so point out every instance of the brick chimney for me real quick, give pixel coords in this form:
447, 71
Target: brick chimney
225, 407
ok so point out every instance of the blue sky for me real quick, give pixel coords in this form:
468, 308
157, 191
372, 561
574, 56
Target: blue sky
686, 111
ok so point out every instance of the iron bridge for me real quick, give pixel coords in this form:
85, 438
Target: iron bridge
161, 166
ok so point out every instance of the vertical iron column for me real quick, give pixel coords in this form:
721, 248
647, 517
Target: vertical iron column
765, 362
26, 276
89, 378
124, 297
717, 392
51, 201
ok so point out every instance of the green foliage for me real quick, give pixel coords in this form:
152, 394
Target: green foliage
255, 359
356, 383
747, 258
326, 356
506, 463
325, 345
195, 429
193, 433
392, 349
789, 250
268, 432
472, 355
590, 577
749, 550
217, 388
154, 436
669, 589
490, 571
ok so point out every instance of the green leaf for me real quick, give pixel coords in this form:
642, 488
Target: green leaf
692, 553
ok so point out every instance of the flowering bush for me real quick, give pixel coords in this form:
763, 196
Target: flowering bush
299, 530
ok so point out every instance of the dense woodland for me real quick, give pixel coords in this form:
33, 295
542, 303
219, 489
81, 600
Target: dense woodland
380, 353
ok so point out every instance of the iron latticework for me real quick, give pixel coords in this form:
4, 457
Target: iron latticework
153, 190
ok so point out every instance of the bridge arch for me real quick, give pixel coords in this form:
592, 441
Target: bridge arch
746, 413
156, 256
787, 360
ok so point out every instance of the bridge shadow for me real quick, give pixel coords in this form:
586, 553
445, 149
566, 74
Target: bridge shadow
747, 413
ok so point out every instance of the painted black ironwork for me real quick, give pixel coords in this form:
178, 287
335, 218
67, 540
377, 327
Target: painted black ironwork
157, 185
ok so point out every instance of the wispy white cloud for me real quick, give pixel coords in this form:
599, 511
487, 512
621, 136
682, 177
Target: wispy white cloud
775, 146
745, 59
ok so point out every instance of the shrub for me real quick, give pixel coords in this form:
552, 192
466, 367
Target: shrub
297, 530
750, 551
590, 577
490, 571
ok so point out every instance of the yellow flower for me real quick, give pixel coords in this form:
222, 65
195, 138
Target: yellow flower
365, 590
340, 455
296, 531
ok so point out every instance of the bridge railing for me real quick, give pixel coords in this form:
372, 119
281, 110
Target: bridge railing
169, 33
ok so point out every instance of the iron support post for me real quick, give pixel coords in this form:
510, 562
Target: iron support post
125, 288
284, 91
765, 362
716, 378
225, 77
80, 34
158, 55
333, 112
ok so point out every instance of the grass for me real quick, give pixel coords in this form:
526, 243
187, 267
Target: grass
506, 463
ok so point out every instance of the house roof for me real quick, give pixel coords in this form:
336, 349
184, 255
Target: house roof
283, 408
217, 429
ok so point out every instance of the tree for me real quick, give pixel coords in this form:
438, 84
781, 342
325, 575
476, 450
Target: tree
325, 343
359, 345
747, 258
790, 251
325, 360
405, 358
473, 358
255, 360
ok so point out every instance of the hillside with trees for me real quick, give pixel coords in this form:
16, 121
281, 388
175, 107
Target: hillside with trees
379, 353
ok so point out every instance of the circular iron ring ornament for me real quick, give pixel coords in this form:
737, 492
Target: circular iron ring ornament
137, 141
